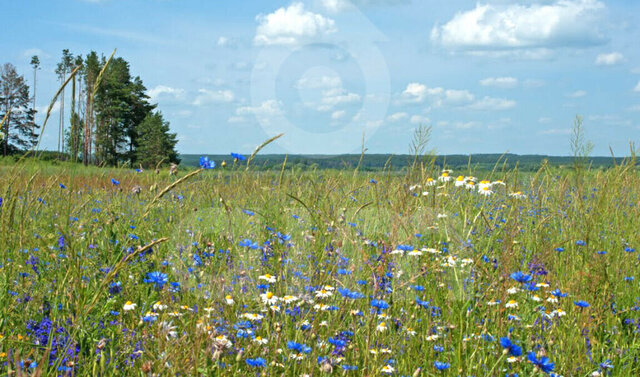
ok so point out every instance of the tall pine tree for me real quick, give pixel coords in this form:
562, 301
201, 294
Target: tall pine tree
18, 129
155, 141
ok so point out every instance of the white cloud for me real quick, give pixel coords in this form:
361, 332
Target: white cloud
563, 23
207, 96
336, 6
439, 97
163, 91
291, 26
500, 82
419, 119
457, 97
637, 88
224, 41
319, 82
492, 104
545, 120
416, 92
337, 96
263, 111
635, 108
609, 59
397, 117
577, 94
338, 114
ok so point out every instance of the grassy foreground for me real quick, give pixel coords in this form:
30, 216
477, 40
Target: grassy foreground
234, 272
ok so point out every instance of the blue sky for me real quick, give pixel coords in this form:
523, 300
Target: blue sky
489, 77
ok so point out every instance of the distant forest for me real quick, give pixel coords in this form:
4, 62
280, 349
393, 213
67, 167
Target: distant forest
378, 162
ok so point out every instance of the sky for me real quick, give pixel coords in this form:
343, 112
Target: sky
490, 76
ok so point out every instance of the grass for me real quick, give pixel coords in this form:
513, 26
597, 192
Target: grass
79, 247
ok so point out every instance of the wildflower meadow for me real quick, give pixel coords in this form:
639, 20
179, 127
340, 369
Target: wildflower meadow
225, 270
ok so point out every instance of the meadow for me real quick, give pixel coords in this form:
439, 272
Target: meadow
236, 272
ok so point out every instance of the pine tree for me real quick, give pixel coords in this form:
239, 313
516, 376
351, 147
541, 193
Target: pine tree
155, 141
18, 130
120, 105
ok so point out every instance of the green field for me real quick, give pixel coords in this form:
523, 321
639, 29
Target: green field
236, 271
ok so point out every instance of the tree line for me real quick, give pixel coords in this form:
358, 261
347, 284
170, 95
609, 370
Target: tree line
118, 125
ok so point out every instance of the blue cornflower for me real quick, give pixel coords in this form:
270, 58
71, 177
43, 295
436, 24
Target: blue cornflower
542, 363
0, 202
520, 277
629, 250
62, 186
205, 163
248, 243
61, 243
580, 243
257, 362
238, 156
559, 249
350, 367
300, 348
582, 304
115, 182
606, 365
115, 287
157, 278
379, 304
558, 293
441, 366
511, 347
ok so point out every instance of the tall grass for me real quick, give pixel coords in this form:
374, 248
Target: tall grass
72, 258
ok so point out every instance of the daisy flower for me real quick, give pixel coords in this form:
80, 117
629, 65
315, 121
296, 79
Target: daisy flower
512, 304
268, 278
382, 327
486, 191
387, 369
269, 298
129, 306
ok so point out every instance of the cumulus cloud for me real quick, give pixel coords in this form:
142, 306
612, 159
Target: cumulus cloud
338, 114
534, 27
419, 119
397, 117
163, 91
337, 96
265, 110
416, 92
206, 97
336, 6
440, 97
291, 26
500, 82
609, 59
637, 88
319, 82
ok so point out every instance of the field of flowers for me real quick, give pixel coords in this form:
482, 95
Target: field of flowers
228, 271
